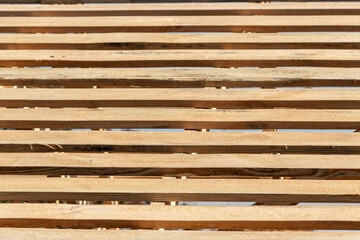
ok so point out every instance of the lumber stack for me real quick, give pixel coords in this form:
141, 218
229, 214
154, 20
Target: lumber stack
133, 119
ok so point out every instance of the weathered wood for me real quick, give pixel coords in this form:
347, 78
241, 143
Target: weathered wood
158, 41
65, 234
74, 118
342, 23
235, 165
236, 190
177, 78
179, 142
180, 58
200, 98
185, 217
164, 9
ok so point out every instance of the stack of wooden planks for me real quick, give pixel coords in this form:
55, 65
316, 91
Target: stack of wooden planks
134, 121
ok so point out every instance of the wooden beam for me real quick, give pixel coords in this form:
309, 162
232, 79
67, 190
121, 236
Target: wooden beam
342, 23
233, 190
75, 118
180, 58
162, 41
185, 217
191, 165
200, 98
165, 9
171, 78
179, 142
67, 234
176, 58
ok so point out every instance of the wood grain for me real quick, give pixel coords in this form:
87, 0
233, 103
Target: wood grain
164, 9
180, 78
341, 23
158, 41
180, 58
177, 165
235, 190
188, 217
130, 118
179, 142
199, 98
65, 234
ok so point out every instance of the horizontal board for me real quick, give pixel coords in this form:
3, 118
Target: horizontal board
180, 142
341, 23
187, 217
235, 165
75, 118
200, 98
180, 58
208, 9
171, 78
158, 41
235, 190
139, 1
66, 234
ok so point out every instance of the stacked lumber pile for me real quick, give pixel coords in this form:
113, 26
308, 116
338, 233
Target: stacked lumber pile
133, 121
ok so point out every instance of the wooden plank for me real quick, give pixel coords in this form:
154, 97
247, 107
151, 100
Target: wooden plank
66, 234
235, 190
185, 217
180, 58
75, 118
338, 23
171, 78
200, 98
180, 142
164, 9
140, 1
162, 41
235, 165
